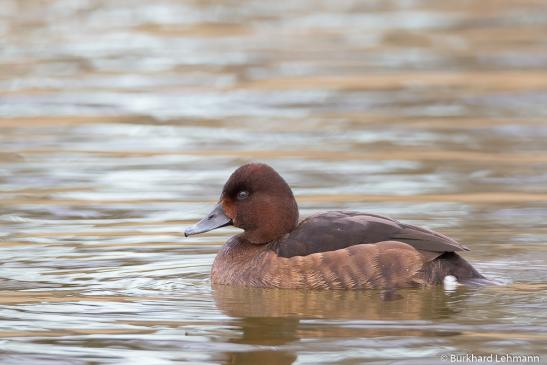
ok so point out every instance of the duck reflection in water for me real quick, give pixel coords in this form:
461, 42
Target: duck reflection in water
274, 320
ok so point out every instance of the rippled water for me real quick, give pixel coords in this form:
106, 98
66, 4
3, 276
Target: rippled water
121, 120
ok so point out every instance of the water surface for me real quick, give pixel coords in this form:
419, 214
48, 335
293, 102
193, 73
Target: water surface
121, 120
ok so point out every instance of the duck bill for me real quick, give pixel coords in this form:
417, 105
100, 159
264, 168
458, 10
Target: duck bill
216, 219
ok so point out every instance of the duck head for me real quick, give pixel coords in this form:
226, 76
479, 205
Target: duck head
256, 199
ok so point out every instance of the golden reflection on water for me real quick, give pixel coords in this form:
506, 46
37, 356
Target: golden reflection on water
336, 304
121, 120
282, 313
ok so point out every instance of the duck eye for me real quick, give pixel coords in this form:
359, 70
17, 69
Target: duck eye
243, 194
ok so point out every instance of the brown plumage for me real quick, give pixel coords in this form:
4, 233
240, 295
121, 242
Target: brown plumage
332, 250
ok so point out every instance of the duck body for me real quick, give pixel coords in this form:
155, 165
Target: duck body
331, 250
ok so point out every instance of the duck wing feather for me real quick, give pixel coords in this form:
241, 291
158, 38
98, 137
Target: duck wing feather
336, 230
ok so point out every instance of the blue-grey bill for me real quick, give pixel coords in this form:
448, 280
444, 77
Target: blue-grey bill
216, 219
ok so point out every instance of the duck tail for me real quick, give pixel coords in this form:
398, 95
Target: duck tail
451, 264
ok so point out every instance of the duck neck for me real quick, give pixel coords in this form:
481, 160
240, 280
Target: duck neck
281, 219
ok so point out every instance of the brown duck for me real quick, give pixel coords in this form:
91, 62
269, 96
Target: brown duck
331, 250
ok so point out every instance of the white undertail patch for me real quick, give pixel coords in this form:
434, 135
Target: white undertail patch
450, 283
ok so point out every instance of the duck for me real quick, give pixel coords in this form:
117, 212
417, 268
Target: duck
330, 250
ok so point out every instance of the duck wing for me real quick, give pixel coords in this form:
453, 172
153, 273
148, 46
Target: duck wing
336, 230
